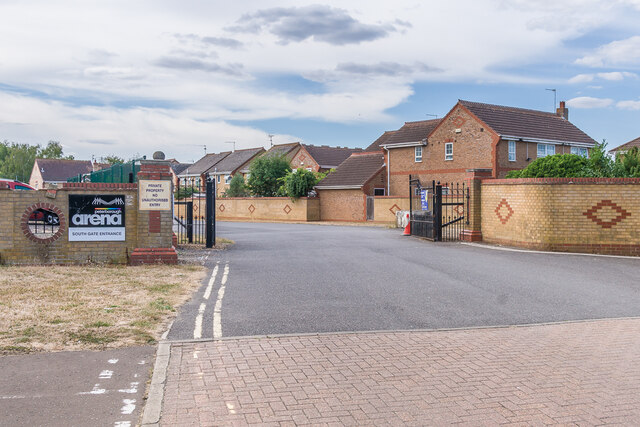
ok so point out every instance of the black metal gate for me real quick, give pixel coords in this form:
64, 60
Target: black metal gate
194, 212
438, 213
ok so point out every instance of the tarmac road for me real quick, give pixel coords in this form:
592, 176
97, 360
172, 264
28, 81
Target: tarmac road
303, 278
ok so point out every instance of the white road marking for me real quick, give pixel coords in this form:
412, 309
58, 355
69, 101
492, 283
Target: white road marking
106, 374
129, 406
12, 397
133, 388
217, 310
207, 292
96, 390
142, 362
197, 331
195, 354
113, 361
122, 424
231, 408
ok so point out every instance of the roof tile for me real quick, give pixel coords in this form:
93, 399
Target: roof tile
354, 171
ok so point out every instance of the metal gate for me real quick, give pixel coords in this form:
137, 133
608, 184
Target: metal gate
438, 213
193, 212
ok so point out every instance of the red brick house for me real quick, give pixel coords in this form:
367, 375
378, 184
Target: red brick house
345, 192
56, 171
225, 169
321, 158
477, 136
626, 147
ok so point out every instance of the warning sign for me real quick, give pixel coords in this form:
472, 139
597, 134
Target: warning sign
154, 195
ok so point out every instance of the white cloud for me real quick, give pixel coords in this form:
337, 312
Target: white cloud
628, 105
616, 53
589, 102
581, 78
617, 75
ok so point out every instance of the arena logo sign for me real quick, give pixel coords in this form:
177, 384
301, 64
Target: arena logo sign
96, 218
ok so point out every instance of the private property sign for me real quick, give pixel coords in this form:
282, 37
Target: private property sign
96, 218
154, 195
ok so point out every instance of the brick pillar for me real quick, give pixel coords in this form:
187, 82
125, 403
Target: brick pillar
155, 227
473, 231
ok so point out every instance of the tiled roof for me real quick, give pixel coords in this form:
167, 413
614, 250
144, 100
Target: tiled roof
283, 149
329, 157
629, 145
382, 139
61, 170
204, 164
236, 159
413, 131
354, 171
522, 123
179, 167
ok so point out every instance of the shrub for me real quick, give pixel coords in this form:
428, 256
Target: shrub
299, 183
267, 173
237, 188
556, 166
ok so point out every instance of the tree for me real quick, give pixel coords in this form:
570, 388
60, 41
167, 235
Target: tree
299, 183
16, 160
237, 188
556, 166
112, 159
266, 176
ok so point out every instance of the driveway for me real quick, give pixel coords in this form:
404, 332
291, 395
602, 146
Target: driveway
301, 278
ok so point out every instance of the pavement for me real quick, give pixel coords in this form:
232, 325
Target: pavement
576, 373
75, 388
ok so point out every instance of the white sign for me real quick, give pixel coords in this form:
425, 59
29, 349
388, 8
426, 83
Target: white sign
154, 195
103, 234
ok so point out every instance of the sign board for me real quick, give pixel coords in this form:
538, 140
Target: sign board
96, 218
154, 195
424, 199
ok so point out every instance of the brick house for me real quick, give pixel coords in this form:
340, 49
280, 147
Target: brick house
344, 193
478, 136
57, 171
225, 169
195, 174
321, 158
626, 147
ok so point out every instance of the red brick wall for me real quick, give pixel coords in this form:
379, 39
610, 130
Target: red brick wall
303, 159
342, 205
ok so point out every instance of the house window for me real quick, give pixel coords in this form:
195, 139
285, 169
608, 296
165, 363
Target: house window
546, 150
448, 151
418, 153
580, 151
378, 191
512, 151
227, 179
218, 179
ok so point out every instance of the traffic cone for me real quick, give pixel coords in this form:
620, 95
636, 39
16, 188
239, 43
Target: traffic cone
407, 229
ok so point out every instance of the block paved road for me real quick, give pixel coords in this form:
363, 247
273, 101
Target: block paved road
293, 278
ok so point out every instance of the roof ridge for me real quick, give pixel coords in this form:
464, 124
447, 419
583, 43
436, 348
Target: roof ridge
506, 107
419, 121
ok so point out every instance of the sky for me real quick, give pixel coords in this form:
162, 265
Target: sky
128, 78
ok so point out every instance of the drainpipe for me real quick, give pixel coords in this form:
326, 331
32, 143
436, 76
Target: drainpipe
388, 167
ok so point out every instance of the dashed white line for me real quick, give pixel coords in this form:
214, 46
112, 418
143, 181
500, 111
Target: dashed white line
106, 374
129, 406
113, 361
96, 390
133, 388
122, 424
12, 397
217, 310
207, 292
197, 331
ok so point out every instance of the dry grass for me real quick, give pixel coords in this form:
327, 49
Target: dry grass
89, 307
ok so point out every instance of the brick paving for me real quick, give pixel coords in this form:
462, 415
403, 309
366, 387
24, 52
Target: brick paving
583, 373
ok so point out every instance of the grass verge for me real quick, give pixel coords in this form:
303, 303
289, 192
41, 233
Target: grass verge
55, 308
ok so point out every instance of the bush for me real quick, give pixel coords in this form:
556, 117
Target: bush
299, 183
629, 163
556, 166
237, 188
267, 173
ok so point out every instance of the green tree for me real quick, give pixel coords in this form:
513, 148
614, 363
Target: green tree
112, 159
556, 166
237, 187
16, 160
266, 176
629, 163
299, 183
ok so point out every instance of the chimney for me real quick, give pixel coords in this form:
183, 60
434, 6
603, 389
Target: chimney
562, 111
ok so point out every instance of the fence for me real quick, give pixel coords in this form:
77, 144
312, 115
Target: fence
193, 217
118, 173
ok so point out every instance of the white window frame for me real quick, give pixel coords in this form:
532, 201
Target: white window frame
547, 150
512, 151
227, 179
448, 154
580, 151
418, 154
218, 179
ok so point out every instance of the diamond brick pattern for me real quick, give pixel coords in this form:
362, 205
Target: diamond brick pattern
592, 213
504, 211
251, 208
221, 208
395, 208
287, 209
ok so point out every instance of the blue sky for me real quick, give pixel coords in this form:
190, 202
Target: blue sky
131, 78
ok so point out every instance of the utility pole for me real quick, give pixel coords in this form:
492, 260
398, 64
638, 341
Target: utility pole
554, 98
271, 138
231, 142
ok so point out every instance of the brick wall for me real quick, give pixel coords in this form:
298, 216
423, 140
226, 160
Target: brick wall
385, 208
303, 159
342, 205
592, 215
472, 148
264, 209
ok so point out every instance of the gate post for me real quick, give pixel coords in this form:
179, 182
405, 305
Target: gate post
472, 228
210, 213
437, 214
189, 221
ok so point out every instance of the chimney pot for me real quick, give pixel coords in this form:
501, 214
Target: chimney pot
563, 111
